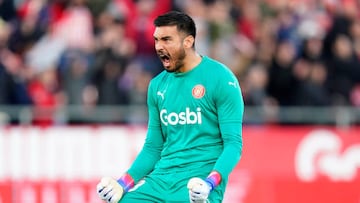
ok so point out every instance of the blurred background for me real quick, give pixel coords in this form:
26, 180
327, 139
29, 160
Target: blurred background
74, 77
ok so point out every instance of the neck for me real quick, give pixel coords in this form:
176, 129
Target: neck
191, 60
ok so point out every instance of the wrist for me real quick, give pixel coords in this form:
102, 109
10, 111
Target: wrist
126, 182
213, 180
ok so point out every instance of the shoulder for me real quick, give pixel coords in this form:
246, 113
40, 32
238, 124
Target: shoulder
216, 69
158, 79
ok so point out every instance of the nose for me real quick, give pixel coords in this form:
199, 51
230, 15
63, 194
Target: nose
158, 46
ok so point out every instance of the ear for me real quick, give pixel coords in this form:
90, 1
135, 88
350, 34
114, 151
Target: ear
189, 41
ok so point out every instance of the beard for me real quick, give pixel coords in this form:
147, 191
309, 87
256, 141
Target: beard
179, 61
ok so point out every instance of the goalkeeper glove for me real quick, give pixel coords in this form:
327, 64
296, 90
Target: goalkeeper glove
200, 189
111, 190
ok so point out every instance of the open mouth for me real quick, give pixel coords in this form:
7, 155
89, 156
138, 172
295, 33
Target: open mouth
165, 59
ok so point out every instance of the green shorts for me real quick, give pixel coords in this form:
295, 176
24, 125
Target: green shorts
168, 188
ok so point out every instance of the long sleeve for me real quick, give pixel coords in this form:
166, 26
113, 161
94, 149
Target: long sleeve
230, 108
151, 151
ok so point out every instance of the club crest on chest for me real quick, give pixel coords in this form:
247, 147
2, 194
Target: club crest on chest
198, 91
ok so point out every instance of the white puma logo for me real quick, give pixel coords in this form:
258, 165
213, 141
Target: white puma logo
232, 83
161, 94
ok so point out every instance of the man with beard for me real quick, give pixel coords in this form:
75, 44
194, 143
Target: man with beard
194, 137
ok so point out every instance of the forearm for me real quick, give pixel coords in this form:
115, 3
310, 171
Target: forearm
228, 160
144, 163
232, 139
148, 156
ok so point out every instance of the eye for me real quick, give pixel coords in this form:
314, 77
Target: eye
166, 39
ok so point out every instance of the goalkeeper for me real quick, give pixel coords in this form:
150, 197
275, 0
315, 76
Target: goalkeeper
194, 137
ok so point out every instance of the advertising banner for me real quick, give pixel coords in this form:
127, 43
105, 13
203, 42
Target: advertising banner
279, 164
298, 164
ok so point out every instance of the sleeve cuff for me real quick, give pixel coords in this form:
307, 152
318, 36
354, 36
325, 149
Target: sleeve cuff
126, 181
213, 179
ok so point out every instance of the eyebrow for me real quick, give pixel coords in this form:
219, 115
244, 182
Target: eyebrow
163, 38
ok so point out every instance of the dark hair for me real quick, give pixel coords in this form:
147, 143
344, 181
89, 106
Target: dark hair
183, 22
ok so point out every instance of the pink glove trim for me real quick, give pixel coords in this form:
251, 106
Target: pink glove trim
126, 181
213, 179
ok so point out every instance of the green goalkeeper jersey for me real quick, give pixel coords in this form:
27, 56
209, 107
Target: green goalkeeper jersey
195, 120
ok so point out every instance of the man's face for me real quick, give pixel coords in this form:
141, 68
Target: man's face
169, 47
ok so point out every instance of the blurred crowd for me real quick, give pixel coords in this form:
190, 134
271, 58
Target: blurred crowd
100, 52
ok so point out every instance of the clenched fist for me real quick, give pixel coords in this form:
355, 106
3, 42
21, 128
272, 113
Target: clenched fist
109, 190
